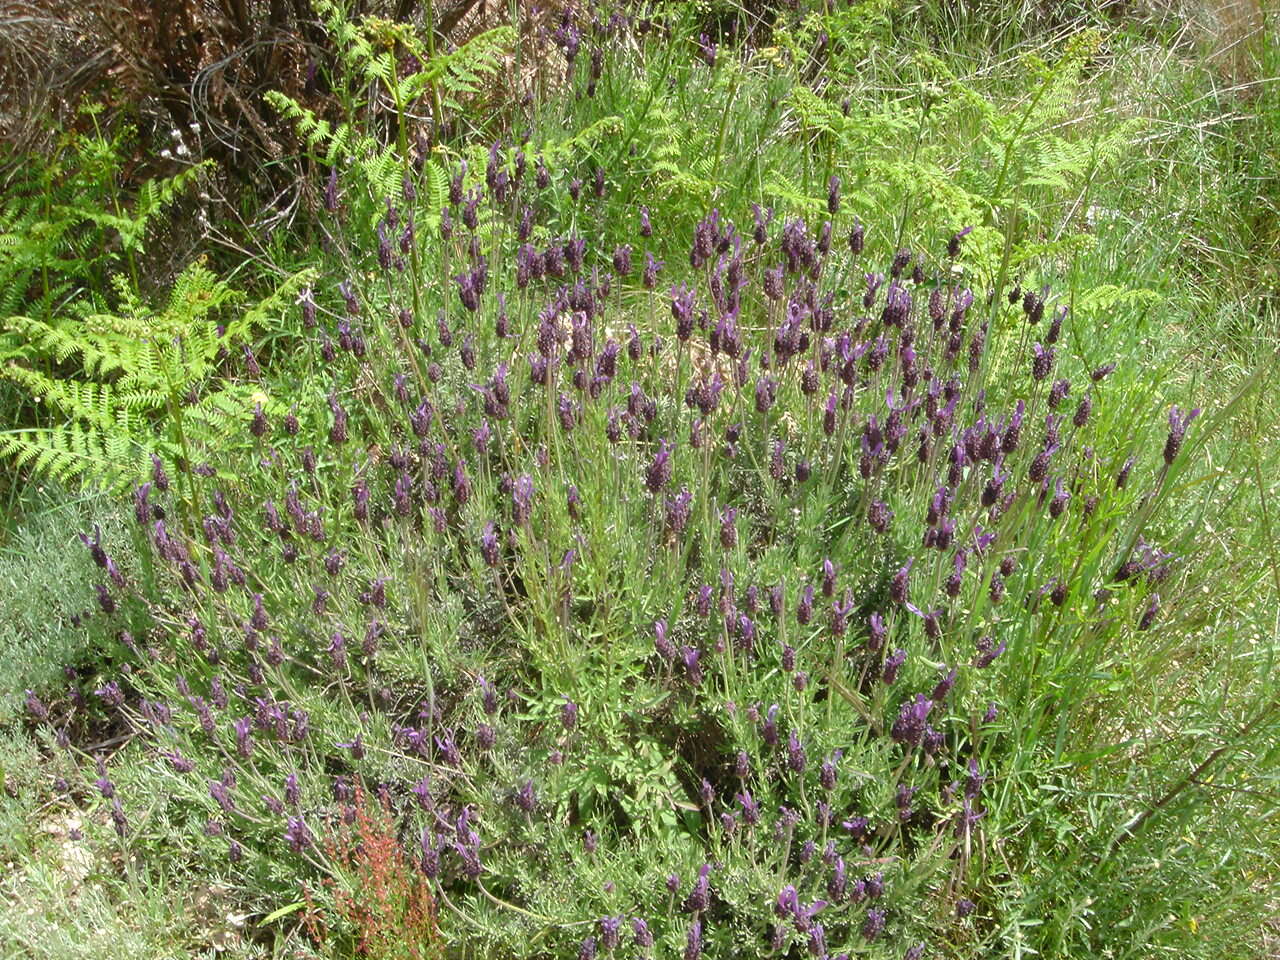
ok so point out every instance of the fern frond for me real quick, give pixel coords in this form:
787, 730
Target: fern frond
63, 344
278, 300
70, 453
462, 70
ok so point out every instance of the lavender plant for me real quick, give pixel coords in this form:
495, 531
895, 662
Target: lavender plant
669, 610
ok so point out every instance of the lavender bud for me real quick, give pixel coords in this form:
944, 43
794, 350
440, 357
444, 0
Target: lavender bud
796, 759
856, 237
693, 943
900, 585
569, 714
804, 609
728, 530
1042, 362
827, 774
1149, 615
643, 937
873, 925
1058, 392
1178, 424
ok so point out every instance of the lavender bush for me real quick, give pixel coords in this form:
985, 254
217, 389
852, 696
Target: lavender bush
691, 607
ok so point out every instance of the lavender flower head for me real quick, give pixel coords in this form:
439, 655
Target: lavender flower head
522, 499
643, 936
900, 585
909, 728
298, 835
610, 932
873, 925
728, 530
693, 943
659, 471
1178, 423
569, 714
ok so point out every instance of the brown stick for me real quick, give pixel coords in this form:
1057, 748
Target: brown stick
1134, 825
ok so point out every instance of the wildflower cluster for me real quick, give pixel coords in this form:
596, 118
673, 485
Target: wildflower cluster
789, 523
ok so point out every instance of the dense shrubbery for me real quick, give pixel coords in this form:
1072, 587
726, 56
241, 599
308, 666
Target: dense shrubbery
720, 572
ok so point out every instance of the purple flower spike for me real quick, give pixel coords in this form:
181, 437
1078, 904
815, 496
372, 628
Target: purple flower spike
857, 237
682, 303
678, 510
728, 531
769, 732
651, 267
95, 546
893, 664
877, 632
298, 835
689, 656
750, 809
828, 577
105, 600
659, 471
879, 516
766, 394
857, 827
788, 902
643, 936
522, 499
489, 546
796, 759
827, 775
953, 245
909, 728
804, 609
873, 925
35, 707
111, 694
665, 648
700, 896
526, 798
899, 587
1178, 424
118, 818
818, 942
988, 651
693, 944
703, 602
610, 932
244, 736
944, 685
622, 260
569, 714
1042, 363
